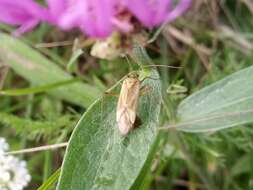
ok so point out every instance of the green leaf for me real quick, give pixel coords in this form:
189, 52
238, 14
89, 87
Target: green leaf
144, 174
39, 71
98, 157
32, 128
50, 181
71, 64
38, 89
226, 103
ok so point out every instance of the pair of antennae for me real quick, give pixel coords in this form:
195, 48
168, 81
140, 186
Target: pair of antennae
167, 66
139, 51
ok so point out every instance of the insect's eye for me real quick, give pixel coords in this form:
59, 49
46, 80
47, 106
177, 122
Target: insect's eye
133, 75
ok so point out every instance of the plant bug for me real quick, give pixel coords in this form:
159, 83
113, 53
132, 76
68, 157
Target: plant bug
127, 103
130, 92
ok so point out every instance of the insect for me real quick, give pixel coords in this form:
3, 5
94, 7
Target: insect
131, 90
127, 103
126, 114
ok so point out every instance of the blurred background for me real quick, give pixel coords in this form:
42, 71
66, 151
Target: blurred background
212, 40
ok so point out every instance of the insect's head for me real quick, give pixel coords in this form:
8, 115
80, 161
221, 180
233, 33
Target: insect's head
133, 75
132, 79
141, 75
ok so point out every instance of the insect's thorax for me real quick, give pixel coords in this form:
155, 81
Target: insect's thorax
131, 82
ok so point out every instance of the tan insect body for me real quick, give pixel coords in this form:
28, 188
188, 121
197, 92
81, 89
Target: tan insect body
127, 104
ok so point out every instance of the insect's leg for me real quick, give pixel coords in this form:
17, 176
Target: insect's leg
111, 94
150, 78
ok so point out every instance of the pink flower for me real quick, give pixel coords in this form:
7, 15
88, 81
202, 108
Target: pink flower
155, 12
94, 17
99, 18
56, 9
24, 13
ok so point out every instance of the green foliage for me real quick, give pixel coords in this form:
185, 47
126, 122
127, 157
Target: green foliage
98, 157
50, 181
34, 90
224, 104
38, 70
35, 129
41, 97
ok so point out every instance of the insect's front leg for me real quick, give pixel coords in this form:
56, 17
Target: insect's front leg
111, 94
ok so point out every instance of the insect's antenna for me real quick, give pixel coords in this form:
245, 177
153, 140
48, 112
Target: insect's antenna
128, 61
168, 66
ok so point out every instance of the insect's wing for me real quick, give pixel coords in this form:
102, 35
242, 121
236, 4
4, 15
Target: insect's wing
128, 100
127, 105
124, 123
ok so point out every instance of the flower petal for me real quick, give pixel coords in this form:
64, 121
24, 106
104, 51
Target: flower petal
25, 13
56, 9
154, 12
93, 17
181, 7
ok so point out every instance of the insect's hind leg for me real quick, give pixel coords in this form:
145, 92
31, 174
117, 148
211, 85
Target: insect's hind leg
149, 78
111, 94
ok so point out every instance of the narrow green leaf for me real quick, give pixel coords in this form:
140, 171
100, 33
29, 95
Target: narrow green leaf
38, 89
98, 157
39, 71
145, 172
76, 54
50, 181
226, 103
